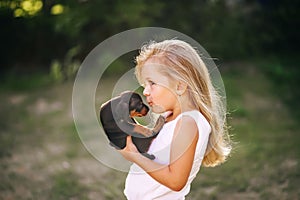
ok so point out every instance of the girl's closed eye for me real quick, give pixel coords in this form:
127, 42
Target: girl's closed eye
151, 83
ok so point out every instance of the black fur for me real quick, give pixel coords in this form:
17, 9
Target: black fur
117, 120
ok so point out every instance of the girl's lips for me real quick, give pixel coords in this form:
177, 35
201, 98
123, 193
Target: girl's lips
149, 101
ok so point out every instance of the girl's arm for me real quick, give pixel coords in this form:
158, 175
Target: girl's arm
183, 146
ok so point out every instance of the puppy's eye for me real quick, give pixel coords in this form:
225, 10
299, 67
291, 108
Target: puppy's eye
139, 107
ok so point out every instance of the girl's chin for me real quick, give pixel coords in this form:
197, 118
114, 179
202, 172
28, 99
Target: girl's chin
158, 109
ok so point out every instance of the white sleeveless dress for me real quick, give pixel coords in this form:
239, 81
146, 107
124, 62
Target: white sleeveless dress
140, 186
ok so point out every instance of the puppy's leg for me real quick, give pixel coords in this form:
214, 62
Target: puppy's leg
159, 124
149, 132
134, 129
142, 130
150, 156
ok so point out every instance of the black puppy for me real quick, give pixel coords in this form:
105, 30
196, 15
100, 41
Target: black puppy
117, 120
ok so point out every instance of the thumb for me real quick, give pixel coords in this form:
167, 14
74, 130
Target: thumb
130, 145
128, 139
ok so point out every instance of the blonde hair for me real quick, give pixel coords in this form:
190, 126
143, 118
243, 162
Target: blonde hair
184, 63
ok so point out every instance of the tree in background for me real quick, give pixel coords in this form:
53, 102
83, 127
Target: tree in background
37, 32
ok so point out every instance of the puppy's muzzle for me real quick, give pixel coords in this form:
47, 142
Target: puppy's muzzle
144, 110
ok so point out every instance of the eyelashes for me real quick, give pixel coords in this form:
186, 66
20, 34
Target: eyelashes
151, 83
148, 82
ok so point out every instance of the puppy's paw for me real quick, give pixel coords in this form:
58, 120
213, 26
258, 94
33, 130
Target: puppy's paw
150, 156
159, 124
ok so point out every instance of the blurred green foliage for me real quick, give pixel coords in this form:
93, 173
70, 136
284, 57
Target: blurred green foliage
36, 32
284, 72
55, 36
67, 68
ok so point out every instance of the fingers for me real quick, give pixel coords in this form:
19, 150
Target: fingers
128, 140
128, 143
130, 152
130, 146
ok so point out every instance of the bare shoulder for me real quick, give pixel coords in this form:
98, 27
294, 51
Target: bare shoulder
187, 126
184, 143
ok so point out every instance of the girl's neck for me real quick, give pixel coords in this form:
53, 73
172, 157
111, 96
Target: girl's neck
181, 107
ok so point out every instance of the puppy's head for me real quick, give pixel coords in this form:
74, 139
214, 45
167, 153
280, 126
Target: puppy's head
135, 104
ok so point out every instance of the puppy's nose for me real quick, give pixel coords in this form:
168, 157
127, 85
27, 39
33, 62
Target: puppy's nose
145, 110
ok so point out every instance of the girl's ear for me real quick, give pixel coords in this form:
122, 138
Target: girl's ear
180, 88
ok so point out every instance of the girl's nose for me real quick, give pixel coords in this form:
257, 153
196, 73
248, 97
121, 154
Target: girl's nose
146, 91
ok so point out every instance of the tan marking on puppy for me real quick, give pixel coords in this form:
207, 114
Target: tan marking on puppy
142, 130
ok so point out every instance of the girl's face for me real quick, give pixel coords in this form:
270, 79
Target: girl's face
158, 89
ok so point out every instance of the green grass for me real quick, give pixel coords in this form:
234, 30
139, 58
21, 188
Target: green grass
42, 157
265, 160
67, 186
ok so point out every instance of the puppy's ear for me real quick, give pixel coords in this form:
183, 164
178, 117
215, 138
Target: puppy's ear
126, 98
126, 94
121, 110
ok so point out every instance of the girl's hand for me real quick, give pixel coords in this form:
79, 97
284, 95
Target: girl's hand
130, 151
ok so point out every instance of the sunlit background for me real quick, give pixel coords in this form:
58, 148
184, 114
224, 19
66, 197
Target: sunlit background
255, 44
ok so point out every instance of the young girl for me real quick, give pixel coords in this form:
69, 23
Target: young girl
176, 84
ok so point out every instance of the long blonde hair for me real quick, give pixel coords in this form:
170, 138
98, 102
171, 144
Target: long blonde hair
184, 63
